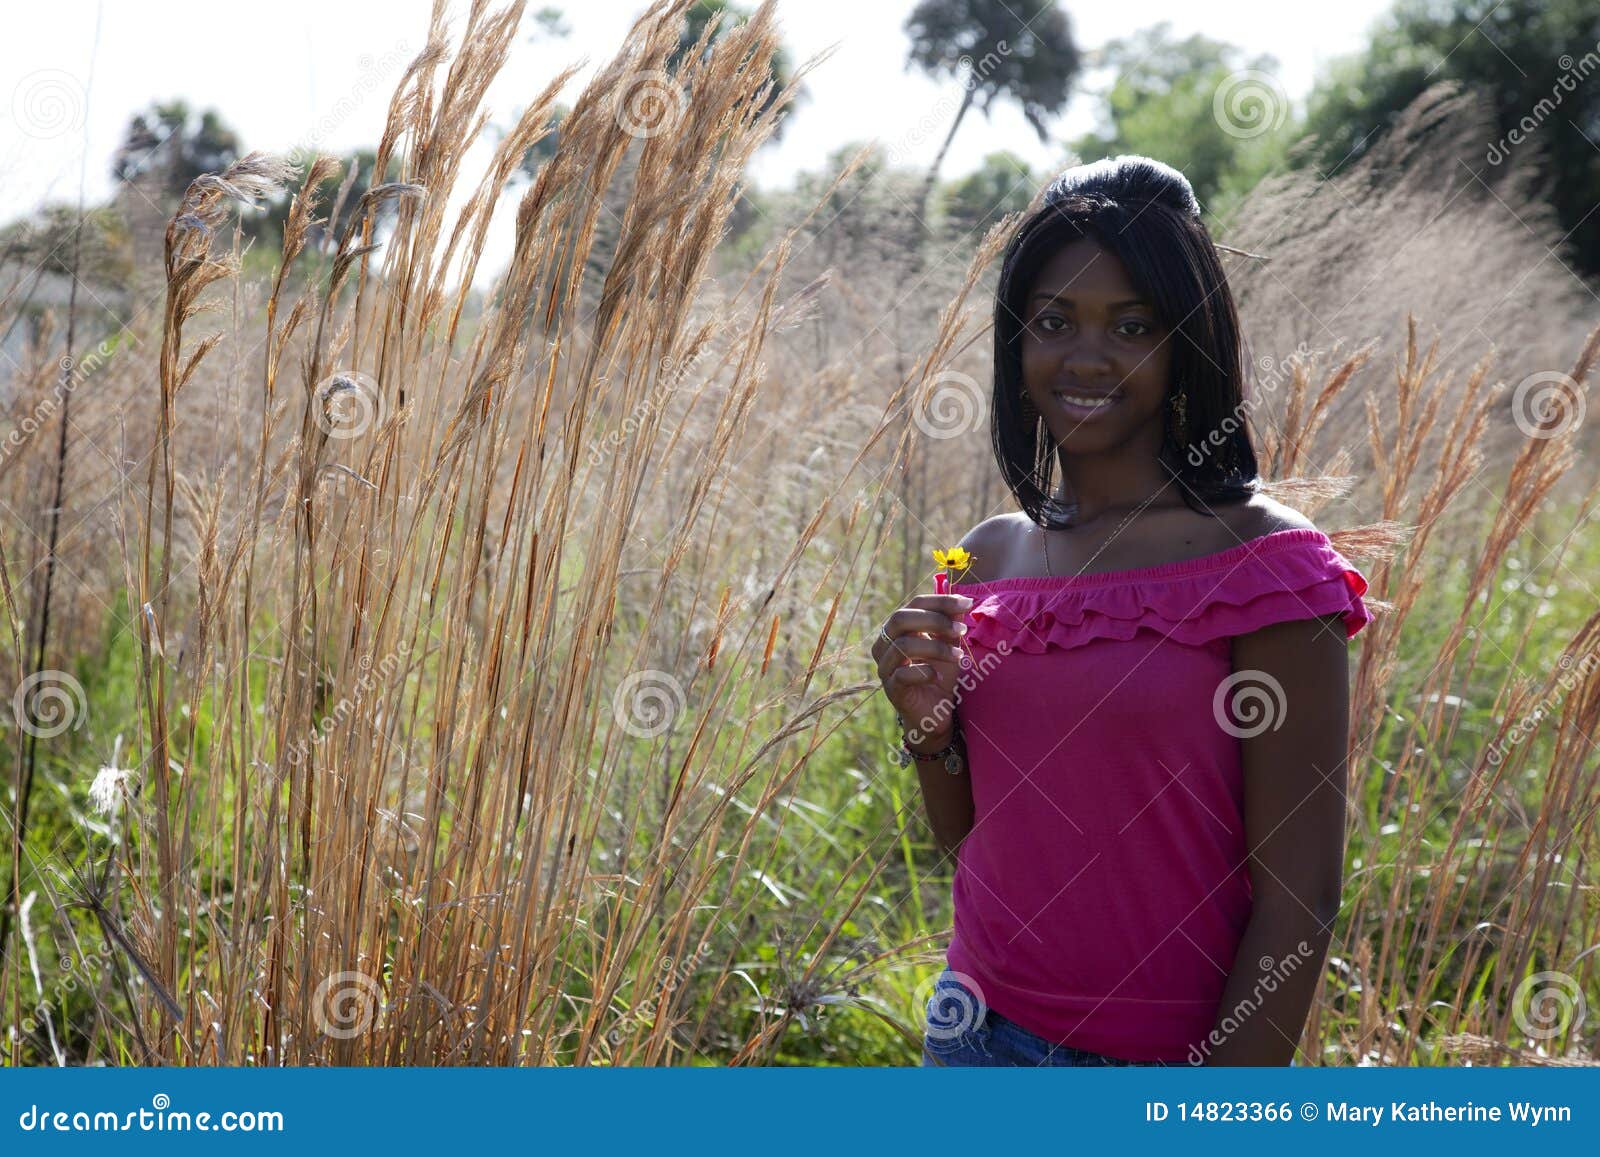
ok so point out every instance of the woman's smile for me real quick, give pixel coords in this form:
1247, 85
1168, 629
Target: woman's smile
1086, 407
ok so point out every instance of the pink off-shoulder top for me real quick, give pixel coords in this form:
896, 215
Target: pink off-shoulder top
1102, 893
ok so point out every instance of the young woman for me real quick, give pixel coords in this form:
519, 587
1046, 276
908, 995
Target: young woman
1129, 722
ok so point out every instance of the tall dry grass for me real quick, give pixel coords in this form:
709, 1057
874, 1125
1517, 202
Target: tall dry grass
1418, 225
495, 678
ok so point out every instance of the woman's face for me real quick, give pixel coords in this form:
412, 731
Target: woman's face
1087, 332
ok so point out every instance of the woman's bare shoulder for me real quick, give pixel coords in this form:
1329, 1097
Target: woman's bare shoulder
991, 544
997, 544
1262, 515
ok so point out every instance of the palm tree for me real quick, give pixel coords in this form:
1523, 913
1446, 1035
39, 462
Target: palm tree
1018, 50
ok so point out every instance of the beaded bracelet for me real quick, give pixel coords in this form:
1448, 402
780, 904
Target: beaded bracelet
951, 754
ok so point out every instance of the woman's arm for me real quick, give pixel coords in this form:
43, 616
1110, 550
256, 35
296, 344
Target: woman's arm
1294, 810
947, 798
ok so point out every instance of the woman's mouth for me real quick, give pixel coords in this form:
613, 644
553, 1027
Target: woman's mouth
1086, 405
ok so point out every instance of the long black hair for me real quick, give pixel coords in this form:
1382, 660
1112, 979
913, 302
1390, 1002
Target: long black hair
1146, 213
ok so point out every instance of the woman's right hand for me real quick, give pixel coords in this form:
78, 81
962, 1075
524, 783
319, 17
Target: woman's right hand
921, 660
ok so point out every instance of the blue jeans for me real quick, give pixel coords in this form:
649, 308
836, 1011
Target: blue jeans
962, 1030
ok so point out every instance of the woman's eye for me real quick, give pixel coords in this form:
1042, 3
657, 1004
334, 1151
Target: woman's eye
1143, 328
1044, 323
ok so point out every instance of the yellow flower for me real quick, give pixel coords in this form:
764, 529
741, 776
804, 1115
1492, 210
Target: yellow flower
953, 559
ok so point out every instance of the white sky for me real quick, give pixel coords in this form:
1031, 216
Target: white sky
320, 72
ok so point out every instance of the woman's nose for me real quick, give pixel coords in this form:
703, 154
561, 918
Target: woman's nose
1086, 355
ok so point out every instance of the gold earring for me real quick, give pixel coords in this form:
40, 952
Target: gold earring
1180, 413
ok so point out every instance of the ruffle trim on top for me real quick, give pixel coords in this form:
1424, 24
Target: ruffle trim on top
1286, 575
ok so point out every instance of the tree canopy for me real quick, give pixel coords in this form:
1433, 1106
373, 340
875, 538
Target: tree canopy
1198, 104
1535, 60
170, 146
